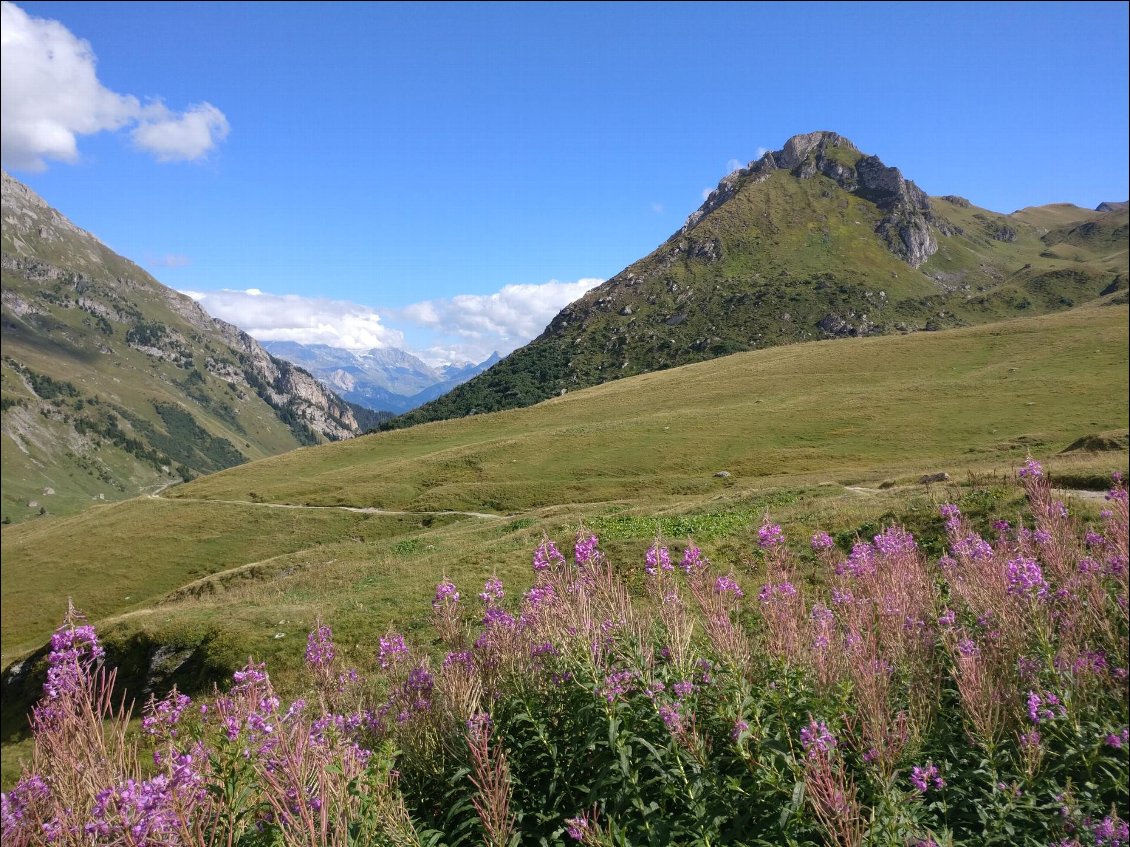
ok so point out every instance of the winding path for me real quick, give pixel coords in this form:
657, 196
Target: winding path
365, 510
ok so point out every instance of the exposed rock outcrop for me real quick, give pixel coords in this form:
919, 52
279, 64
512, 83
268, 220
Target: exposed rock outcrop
909, 223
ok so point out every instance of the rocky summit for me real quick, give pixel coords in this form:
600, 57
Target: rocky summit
113, 383
817, 240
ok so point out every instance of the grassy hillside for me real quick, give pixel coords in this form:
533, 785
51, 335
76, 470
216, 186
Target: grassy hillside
112, 384
802, 250
832, 434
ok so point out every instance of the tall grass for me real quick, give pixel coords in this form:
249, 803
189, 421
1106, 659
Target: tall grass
979, 698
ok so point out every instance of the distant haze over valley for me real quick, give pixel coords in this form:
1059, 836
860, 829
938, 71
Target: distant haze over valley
383, 379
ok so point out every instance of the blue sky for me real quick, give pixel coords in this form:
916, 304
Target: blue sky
445, 177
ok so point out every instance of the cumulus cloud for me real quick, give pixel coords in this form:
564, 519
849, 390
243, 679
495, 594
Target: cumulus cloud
184, 137
479, 324
50, 95
464, 328
307, 320
734, 165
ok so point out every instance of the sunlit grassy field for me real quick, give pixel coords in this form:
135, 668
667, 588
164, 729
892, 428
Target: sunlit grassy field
831, 435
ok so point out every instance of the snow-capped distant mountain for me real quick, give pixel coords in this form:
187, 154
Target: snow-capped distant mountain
385, 379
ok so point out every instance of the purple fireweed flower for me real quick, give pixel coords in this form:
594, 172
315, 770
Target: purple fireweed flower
771, 593
728, 585
1001, 526
693, 560
392, 650
861, 562
74, 651
251, 676
952, 516
492, 591
923, 779
577, 827
895, 540
547, 555
1089, 566
947, 618
545, 648
618, 684
740, 726
822, 613
462, 658
842, 597
1094, 539
585, 550
479, 723
658, 558
1089, 662
672, 717
1030, 740
968, 648
816, 739
320, 648
1031, 470
496, 618
769, 536
1110, 832
446, 595
1044, 707
162, 716
822, 541
1118, 741
684, 688
974, 547
1026, 578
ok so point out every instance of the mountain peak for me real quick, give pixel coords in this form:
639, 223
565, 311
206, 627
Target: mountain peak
908, 225
798, 148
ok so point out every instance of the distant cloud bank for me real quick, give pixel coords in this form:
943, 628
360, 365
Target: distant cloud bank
464, 328
50, 95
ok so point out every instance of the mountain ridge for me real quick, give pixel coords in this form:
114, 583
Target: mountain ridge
816, 240
113, 383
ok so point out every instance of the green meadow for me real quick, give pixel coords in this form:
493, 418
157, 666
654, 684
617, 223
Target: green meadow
834, 434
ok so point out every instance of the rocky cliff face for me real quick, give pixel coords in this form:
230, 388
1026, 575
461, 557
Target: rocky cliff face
909, 223
113, 382
41, 244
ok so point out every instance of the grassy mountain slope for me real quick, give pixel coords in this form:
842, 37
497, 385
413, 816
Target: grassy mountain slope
112, 383
814, 241
825, 433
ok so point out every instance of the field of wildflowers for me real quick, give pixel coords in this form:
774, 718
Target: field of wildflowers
978, 699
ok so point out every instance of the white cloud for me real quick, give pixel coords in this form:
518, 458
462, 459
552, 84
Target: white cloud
479, 324
657, 208
706, 192
50, 94
464, 328
307, 320
761, 151
177, 138
734, 165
